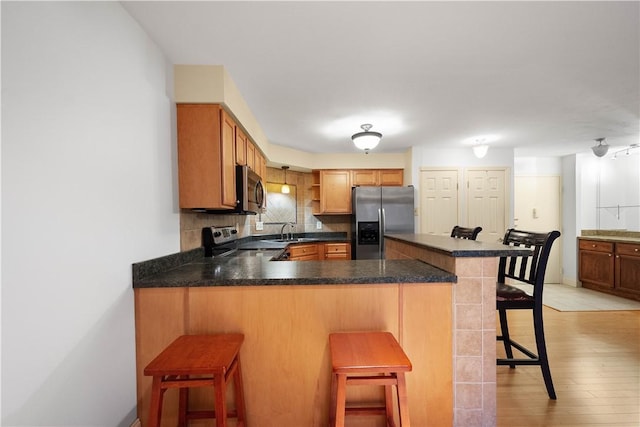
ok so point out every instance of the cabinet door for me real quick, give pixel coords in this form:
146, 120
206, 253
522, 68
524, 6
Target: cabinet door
628, 268
261, 167
596, 268
241, 147
364, 177
200, 158
251, 152
228, 145
391, 177
335, 188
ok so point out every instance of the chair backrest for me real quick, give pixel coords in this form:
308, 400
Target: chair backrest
465, 233
531, 269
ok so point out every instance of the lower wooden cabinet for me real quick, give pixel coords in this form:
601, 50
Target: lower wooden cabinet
319, 252
628, 268
337, 251
611, 267
303, 252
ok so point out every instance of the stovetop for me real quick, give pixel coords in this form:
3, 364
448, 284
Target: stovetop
219, 241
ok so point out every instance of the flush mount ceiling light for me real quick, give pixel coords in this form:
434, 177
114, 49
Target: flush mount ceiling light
600, 149
285, 187
366, 140
480, 148
480, 143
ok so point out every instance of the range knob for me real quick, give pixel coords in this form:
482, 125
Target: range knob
234, 231
217, 234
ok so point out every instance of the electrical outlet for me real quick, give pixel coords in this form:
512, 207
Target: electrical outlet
319, 225
259, 225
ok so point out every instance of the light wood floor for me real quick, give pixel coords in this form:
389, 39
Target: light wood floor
595, 365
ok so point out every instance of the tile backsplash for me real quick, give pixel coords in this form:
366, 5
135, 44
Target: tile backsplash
191, 223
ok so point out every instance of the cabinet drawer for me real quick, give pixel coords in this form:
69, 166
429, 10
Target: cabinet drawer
332, 248
297, 251
596, 245
628, 248
337, 251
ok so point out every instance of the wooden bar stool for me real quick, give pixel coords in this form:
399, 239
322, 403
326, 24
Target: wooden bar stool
214, 360
368, 358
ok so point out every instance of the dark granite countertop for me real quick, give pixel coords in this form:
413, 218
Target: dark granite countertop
459, 248
619, 239
252, 265
260, 271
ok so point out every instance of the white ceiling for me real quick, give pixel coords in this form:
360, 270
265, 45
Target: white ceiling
547, 77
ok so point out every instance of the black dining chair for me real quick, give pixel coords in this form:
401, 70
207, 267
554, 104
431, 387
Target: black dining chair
528, 270
465, 233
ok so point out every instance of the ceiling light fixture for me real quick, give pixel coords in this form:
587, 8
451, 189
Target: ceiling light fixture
285, 187
480, 148
601, 149
625, 150
366, 140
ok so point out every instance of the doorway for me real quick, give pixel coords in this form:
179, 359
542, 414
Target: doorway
537, 208
483, 201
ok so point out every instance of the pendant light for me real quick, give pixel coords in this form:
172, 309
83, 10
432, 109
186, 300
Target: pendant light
366, 140
285, 187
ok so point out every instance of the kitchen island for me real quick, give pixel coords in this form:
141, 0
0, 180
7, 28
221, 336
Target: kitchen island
286, 310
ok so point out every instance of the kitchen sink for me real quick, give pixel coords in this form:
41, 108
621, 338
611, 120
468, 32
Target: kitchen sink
296, 240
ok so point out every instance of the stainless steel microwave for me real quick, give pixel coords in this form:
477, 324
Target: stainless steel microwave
250, 191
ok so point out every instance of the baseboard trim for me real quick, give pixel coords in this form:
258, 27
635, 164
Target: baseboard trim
136, 423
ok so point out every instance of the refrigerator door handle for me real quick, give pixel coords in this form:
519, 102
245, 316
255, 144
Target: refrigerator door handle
383, 227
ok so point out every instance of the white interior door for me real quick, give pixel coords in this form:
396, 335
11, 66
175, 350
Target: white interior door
537, 208
438, 201
487, 203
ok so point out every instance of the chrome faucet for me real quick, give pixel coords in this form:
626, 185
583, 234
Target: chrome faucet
289, 233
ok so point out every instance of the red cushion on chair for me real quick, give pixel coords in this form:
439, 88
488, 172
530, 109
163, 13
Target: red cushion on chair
506, 292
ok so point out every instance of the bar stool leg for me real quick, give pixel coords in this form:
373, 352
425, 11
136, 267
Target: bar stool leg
155, 407
183, 407
334, 396
239, 393
341, 397
403, 400
220, 404
388, 405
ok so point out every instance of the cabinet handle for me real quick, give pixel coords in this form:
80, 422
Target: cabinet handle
617, 256
635, 250
609, 254
593, 246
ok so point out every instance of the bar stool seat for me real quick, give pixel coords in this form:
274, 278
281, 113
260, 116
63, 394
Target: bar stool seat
368, 358
198, 361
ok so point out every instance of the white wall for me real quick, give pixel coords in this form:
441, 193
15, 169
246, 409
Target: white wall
571, 201
88, 188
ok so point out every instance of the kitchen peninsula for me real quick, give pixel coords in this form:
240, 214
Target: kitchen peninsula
435, 294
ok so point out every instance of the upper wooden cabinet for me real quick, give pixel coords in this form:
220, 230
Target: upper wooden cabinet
260, 165
335, 191
331, 188
377, 177
206, 157
241, 147
251, 153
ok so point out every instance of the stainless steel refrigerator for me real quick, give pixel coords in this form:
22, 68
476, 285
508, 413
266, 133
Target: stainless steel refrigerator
376, 211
